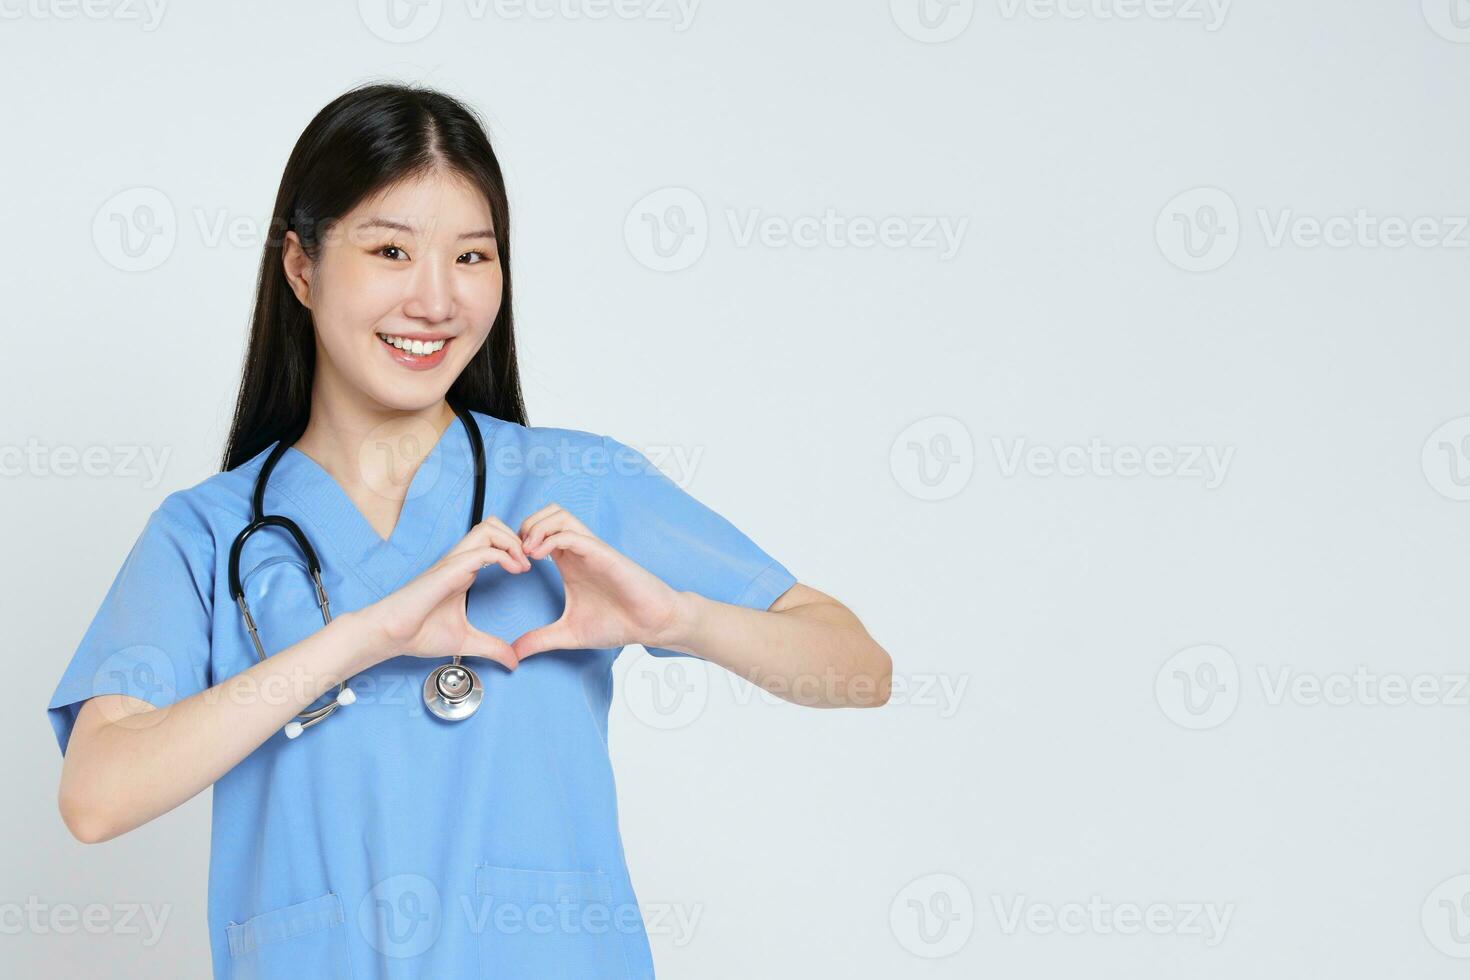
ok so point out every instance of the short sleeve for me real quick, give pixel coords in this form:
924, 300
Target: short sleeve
151, 637
652, 520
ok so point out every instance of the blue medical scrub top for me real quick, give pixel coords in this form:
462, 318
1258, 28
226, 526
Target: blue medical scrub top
385, 842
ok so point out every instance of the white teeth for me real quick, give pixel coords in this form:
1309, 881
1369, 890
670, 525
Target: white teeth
417, 347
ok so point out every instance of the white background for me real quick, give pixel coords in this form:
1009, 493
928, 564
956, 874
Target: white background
1060, 734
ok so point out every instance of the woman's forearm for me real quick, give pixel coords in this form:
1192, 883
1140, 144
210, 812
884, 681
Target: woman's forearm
128, 762
816, 654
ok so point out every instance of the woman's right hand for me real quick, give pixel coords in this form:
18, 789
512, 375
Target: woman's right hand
128, 761
426, 618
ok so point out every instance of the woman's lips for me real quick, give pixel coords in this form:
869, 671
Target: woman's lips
402, 352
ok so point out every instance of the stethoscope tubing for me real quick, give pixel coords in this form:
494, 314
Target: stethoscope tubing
260, 520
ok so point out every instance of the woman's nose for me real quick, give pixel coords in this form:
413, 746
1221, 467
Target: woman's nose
430, 293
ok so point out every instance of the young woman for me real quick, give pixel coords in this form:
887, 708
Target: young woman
384, 632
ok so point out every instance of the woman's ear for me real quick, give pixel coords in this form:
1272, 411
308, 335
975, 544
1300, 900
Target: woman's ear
297, 266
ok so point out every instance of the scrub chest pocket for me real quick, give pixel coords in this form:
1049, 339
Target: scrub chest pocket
548, 925
308, 939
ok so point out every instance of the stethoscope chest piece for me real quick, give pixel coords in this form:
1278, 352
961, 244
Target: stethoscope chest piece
452, 691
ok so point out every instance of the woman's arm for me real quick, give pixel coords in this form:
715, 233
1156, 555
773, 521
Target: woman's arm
128, 762
808, 648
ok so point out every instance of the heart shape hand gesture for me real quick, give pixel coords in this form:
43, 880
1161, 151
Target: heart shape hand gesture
610, 599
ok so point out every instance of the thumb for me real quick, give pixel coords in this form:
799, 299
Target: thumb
478, 643
553, 636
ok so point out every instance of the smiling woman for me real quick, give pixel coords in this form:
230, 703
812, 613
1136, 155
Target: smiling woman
386, 291
383, 314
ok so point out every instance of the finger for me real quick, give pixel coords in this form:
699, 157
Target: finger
492, 519
537, 517
507, 539
474, 538
456, 573
490, 555
478, 643
547, 509
576, 543
488, 531
554, 636
560, 521
493, 531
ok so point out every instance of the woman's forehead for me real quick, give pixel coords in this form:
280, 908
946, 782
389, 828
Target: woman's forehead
436, 203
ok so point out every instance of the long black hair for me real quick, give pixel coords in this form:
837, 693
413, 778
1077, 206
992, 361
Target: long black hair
362, 141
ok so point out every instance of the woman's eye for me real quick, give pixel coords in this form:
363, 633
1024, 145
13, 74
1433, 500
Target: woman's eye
478, 257
390, 251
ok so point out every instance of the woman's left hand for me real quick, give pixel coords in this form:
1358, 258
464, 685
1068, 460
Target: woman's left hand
610, 599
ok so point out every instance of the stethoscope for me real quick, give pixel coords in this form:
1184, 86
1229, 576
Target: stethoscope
452, 691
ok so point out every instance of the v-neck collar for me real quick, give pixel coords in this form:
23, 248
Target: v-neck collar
435, 513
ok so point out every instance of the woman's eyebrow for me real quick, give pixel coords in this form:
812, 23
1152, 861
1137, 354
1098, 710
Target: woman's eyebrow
400, 226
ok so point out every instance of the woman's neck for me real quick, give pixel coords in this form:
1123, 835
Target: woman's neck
370, 450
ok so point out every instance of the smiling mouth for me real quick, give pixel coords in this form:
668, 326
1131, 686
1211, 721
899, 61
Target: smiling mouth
414, 348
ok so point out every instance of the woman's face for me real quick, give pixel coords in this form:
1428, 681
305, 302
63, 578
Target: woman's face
404, 292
